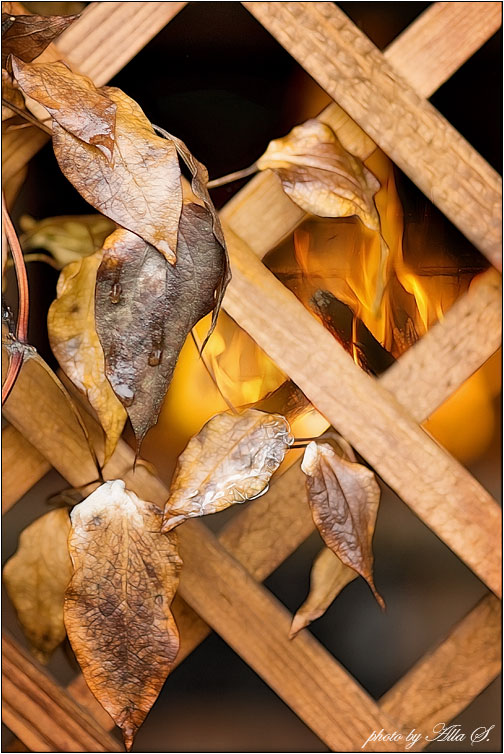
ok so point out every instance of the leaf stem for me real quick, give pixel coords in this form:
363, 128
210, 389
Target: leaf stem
16, 359
233, 176
27, 116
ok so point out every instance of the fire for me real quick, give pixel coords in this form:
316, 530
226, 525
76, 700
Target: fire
394, 298
374, 292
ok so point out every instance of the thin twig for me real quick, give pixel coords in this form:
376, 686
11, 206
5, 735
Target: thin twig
233, 176
27, 116
36, 257
24, 302
211, 373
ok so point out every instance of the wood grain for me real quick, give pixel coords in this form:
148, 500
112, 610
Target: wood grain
444, 37
470, 658
99, 44
22, 466
41, 713
407, 127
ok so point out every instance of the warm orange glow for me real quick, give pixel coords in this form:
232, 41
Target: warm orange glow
397, 302
370, 274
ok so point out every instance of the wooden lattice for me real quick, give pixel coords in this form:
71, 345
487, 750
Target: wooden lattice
385, 95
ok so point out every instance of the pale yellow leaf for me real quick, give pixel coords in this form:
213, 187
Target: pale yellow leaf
328, 577
36, 577
73, 338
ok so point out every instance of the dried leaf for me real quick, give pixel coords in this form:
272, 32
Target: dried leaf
140, 188
73, 101
28, 36
344, 498
36, 577
145, 309
117, 605
75, 343
68, 238
328, 577
199, 187
12, 94
320, 176
229, 461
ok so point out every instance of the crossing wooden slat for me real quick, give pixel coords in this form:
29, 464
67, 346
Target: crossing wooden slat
407, 127
426, 477
421, 54
444, 36
449, 677
41, 713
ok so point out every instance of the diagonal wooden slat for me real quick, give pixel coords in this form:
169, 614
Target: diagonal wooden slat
444, 36
470, 658
22, 466
41, 713
406, 126
99, 44
413, 57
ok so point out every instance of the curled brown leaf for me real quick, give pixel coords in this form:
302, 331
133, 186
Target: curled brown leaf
28, 36
328, 577
117, 605
73, 101
36, 577
75, 343
343, 498
320, 175
229, 461
140, 186
145, 308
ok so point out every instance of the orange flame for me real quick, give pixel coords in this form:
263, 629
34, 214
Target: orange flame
353, 263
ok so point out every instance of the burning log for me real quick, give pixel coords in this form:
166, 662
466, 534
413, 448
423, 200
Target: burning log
351, 332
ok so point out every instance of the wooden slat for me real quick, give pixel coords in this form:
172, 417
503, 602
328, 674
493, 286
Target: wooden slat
425, 476
433, 63
256, 626
22, 466
108, 35
448, 678
99, 44
40, 713
406, 126
444, 37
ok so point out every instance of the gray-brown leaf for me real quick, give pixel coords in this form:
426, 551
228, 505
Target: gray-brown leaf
145, 308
